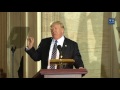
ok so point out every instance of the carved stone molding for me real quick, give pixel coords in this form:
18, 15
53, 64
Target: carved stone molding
118, 29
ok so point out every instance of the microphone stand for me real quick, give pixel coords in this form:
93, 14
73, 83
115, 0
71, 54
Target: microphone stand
60, 58
13, 50
60, 66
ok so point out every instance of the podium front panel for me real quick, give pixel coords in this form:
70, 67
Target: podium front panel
63, 73
63, 76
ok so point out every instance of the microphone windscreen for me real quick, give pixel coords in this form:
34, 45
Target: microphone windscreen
59, 47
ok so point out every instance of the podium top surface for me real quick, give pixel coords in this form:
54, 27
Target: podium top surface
63, 71
62, 61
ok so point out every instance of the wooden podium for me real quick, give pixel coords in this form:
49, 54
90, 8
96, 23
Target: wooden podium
61, 62
61, 72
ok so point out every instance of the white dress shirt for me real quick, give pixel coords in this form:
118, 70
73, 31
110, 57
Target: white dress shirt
59, 42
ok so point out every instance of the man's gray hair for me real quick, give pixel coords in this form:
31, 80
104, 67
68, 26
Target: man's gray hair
57, 22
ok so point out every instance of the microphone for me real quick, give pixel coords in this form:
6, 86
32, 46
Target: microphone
60, 50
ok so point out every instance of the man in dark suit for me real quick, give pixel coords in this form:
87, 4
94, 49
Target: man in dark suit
44, 51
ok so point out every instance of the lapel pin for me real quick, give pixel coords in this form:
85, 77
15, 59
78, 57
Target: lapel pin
65, 45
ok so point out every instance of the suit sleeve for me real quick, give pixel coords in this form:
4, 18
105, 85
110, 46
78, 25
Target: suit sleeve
77, 57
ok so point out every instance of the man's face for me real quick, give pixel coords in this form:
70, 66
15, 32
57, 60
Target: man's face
57, 31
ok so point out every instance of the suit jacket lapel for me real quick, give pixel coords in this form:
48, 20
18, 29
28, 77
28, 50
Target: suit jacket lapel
64, 47
48, 47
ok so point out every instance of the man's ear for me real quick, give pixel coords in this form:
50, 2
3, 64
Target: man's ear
62, 30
